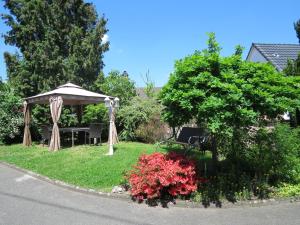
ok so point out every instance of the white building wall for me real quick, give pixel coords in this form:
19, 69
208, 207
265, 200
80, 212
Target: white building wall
255, 56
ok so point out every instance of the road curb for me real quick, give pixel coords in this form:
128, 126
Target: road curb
68, 186
179, 203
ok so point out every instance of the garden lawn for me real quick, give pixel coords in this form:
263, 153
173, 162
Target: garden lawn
84, 166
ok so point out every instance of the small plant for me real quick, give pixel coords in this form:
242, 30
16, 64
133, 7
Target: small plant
160, 176
288, 190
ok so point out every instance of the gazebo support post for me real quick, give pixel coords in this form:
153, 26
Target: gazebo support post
112, 137
27, 135
111, 148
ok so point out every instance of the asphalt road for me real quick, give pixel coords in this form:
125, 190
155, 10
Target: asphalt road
27, 200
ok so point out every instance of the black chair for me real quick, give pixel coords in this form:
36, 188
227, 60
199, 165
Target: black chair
46, 134
95, 131
191, 137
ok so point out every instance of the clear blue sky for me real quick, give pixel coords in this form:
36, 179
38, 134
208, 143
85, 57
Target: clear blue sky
153, 34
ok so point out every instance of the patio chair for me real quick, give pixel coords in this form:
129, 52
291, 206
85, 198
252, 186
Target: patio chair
191, 137
95, 131
46, 134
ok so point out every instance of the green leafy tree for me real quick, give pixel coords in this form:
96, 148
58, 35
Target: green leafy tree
58, 41
118, 85
239, 50
293, 67
226, 94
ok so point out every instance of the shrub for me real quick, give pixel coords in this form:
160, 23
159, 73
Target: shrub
287, 157
275, 155
158, 175
138, 112
152, 131
11, 118
95, 114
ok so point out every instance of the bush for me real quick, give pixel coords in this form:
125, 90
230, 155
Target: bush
158, 175
152, 131
139, 111
287, 157
95, 114
11, 117
275, 156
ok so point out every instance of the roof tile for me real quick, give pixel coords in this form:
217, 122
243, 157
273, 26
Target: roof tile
278, 54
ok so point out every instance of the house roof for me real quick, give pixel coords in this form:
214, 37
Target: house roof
71, 95
277, 54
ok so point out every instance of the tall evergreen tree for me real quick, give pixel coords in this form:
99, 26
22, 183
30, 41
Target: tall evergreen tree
58, 41
293, 69
297, 29
293, 66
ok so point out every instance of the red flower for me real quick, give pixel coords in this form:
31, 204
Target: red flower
157, 172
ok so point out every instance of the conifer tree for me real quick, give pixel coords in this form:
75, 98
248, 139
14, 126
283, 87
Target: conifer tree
57, 40
297, 29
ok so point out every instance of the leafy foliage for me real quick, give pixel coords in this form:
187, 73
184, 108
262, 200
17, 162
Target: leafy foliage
157, 174
293, 67
275, 155
153, 130
59, 41
226, 94
11, 118
288, 190
297, 29
95, 114
138, 112
116, 84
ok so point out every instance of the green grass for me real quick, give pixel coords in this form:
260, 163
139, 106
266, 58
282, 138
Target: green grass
85, 166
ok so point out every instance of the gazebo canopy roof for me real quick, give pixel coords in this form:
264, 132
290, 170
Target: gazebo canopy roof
71, 95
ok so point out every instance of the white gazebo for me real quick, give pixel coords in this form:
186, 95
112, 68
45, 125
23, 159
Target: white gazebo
68, 94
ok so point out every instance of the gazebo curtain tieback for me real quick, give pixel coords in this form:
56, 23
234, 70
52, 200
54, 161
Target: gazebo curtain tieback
55, 108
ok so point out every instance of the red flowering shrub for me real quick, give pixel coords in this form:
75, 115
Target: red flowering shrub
158, 173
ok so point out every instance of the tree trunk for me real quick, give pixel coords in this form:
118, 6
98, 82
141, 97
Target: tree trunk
214, 151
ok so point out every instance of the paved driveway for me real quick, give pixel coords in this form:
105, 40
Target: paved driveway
26, 200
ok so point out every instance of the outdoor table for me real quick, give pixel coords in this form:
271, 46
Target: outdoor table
73, 130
